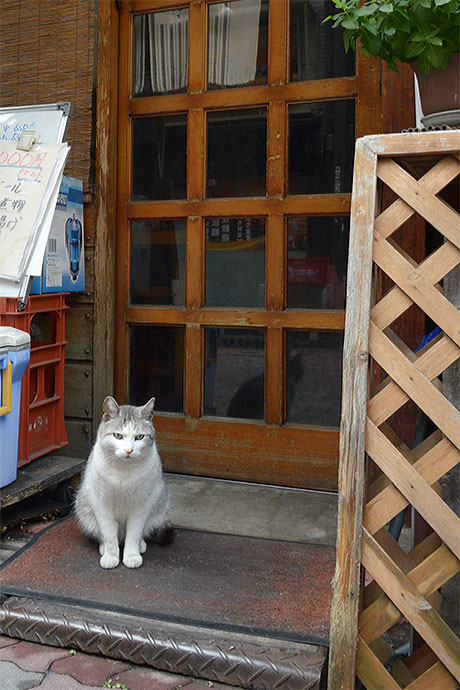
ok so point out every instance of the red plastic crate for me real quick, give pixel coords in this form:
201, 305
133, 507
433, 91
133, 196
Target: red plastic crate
41, 421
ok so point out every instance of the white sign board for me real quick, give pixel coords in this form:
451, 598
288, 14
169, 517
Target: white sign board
48, 120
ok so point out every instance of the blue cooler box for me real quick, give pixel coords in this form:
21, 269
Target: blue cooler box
14, 358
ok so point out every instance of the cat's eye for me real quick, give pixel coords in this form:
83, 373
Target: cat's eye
139, 437
118, 436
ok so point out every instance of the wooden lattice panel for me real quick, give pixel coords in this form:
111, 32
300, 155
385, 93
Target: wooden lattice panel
416, 167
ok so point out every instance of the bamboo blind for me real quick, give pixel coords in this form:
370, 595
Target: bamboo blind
46, 56
417, 167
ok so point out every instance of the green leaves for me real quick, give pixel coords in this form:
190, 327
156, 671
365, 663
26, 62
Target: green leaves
427, 31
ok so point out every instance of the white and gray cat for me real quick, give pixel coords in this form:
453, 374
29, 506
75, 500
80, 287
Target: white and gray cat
122, 496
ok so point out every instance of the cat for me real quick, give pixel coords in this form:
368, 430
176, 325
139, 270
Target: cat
122, 496
248, 401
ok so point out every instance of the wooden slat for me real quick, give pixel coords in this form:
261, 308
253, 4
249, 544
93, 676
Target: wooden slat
314, 204
346, 582
415, 384
411, 603
275, 263
370, 671
432, 362
194, 260
379, 510
417, 492
193, 370
427, 576
384, 651
274, 379
435, 211
416, 555
315, 90
326, 320
196, 156
440, 143
434, 180
433, 268
278, 41
437, 677
276, 148
197, 47
415, 285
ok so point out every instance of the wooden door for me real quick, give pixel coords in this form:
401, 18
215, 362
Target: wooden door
237, 123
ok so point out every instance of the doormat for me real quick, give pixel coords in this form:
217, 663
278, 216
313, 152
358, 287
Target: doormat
254, 586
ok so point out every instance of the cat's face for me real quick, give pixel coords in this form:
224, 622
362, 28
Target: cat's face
126, 432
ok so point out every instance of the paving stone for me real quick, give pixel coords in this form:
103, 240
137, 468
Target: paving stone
56, 681
31, 656
14, 678
7, 641
92, 670
141, 678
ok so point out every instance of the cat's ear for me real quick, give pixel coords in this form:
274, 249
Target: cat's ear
110, 408
147, 410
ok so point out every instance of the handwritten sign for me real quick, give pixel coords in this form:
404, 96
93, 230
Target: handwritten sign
49, 124
27, 179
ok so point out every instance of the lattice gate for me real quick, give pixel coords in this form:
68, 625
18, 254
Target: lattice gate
416, 167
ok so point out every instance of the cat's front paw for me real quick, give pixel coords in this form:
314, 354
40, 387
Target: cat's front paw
108, 561
132, 560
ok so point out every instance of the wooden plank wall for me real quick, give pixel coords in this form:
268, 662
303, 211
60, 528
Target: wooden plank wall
416, 167
47, 56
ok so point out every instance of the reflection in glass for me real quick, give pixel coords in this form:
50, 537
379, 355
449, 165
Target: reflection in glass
237, 44
234, 379
160, 59
317, 262
156, 366
236, 152
235, 262
316, 49
158, 262
159, 157
313, 377
321, 146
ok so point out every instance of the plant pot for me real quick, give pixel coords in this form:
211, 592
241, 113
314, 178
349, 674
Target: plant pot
439, 94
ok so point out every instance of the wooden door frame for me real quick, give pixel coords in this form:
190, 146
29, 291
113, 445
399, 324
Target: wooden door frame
105, 217
364, 87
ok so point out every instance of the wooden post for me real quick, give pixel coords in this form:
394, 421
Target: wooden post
104, 251
344, 616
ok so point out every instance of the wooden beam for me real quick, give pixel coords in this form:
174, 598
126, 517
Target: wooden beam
346, 583
106, 171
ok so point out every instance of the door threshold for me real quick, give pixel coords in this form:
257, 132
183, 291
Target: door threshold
241, 660
252, 510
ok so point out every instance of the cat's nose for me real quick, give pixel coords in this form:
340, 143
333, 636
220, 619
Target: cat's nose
128, 451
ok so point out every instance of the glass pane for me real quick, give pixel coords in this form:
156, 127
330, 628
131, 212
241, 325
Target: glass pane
156, 366
158, 262
236, 152
159, 157
317, 262
160, 60
321, 146
234, 379
316, 49
313, 377
235, 262
237, 43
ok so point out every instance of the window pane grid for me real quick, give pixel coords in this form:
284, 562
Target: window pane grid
198, 105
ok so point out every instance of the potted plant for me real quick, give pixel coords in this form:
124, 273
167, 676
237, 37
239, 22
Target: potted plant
423, 33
